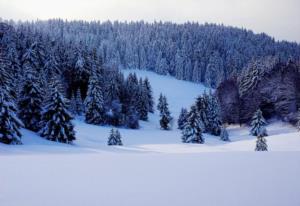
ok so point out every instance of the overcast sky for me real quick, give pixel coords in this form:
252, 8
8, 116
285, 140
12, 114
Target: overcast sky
278, 18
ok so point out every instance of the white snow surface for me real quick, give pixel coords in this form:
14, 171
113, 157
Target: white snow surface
153, 167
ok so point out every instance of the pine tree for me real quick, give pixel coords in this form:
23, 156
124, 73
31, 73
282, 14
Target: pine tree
165, 115
149, 94
261, 144
258, 124
160, 102
94, 103
213, 115
142, 104
30, 103
224, 135
9, 123
182, 118
56, 119
114, 138
132, 118
192, 129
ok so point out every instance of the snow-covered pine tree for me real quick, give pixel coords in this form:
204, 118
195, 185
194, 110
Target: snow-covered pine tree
213, 115
56, 119
9, 123
30, 102
160, 102
114, 138
149, 94
132, 118
192, 129
165, 115
182, 119
224, 135
94, 103
142, 103
258, 124
261, 144
201, 106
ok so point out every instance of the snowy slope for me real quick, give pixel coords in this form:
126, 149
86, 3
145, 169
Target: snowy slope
153, 167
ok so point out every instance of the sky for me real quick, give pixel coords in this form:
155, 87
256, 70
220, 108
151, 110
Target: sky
278, 18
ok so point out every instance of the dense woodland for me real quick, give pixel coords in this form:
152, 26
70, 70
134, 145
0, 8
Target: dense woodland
53, 70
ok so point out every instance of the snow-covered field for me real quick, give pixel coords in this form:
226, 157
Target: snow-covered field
153, 167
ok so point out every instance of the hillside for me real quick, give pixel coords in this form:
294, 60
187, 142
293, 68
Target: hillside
153, 167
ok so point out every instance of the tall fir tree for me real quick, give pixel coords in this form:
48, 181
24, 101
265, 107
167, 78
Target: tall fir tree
114, 138
182, 119
213, 115
56, 119
30, 103
165, 115
142, 103
10, 124
258, 124
94, 103
192, 129
261, 143
149, 95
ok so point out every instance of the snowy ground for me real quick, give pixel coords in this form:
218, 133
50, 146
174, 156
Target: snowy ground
153, 167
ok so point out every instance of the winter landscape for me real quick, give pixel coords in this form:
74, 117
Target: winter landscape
132, 111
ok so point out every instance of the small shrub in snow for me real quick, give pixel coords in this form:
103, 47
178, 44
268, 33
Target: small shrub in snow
114, 138
224, 135
261, 144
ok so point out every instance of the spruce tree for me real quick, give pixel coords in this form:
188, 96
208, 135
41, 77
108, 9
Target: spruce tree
258, 124
114, 138
132, 118
56, 119
182, 119
261, 144
9, 123
165, 115
149, 94
142, 104
224, 135
192, 129
94, 103
213, 115
30, 103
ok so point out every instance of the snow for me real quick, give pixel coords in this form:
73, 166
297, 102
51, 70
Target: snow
153, 167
